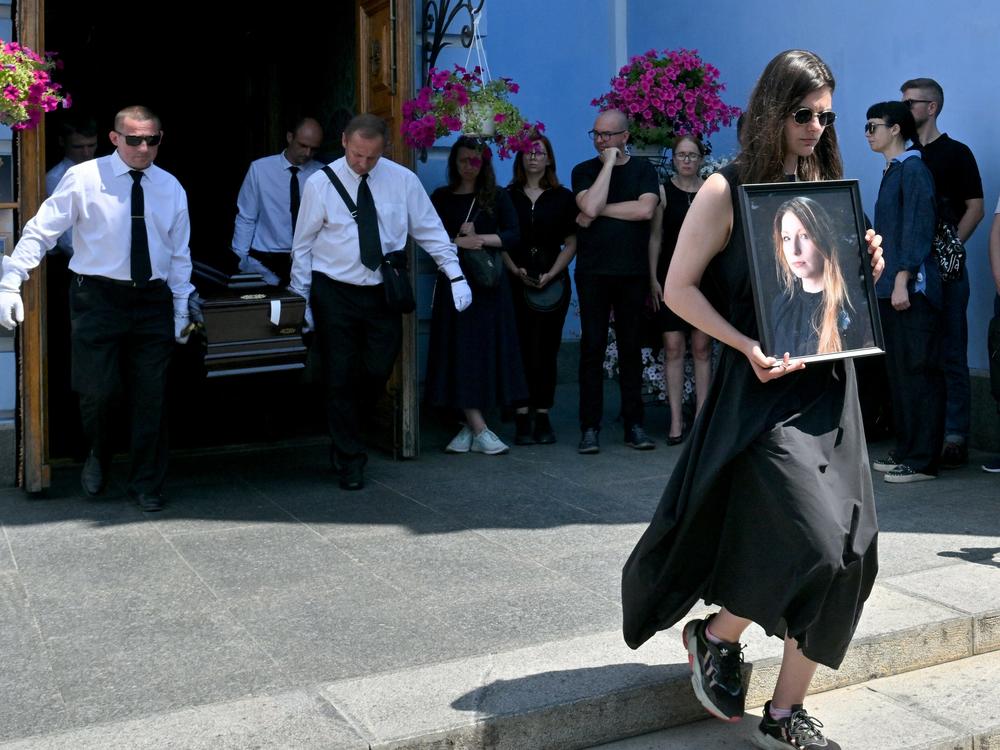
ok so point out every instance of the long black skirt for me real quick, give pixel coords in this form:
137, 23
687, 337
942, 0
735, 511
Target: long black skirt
769, 513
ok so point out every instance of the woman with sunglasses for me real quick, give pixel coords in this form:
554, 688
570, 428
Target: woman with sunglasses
546, 213
770, 512
676, 196
813, 313
910, 298
473, 357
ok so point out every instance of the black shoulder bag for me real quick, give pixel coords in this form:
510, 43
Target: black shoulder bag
398, 292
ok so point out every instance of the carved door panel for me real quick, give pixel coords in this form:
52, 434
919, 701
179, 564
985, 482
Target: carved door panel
385, 77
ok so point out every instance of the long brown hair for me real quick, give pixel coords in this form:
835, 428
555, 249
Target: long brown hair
486, 180
819, 226
549, 179
787, 79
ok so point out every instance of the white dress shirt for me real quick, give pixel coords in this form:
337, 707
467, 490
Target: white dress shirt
94, 198
52, 177
326, 236
264, 218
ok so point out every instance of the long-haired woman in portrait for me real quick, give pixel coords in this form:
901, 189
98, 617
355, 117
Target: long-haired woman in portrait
813, 313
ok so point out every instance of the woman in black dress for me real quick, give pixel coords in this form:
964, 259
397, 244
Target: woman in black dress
546, 215
473, 357
677, 194
770, 512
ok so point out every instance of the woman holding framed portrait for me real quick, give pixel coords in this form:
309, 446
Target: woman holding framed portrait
767, 513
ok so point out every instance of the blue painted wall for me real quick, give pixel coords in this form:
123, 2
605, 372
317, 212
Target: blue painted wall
562, 52
872, 48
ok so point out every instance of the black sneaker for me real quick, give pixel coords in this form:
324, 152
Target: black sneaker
589, 441
799, 731
954, 456
636, 437
715, 672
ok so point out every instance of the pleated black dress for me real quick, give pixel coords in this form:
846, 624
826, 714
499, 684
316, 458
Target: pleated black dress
770, 510
473, 356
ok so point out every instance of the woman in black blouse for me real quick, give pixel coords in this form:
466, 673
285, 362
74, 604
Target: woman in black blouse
546, 212
473, 358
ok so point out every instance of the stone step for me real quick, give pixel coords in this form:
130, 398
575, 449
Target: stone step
948, 707
568, 694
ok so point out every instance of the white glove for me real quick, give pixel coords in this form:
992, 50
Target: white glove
462, 294
11, 309
308, 324
252, 265
181, 322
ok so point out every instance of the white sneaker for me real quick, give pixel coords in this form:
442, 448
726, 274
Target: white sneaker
487, 442
462, 442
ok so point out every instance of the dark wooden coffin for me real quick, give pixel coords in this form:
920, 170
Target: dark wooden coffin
250, 327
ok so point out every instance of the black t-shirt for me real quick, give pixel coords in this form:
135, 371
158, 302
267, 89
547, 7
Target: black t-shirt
956, 175
615, 247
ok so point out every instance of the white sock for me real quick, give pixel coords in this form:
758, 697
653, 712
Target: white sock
779, 713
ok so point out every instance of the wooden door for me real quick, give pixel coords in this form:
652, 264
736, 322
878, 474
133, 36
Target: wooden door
33, 467
385, 79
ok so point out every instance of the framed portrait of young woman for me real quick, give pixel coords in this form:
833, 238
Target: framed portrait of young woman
809, 267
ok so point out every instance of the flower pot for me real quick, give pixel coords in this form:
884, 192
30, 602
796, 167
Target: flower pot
652, 152
477, 120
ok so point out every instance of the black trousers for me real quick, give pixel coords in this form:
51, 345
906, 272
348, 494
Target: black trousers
540, 334
914, 351
280, 264
359, 340
122, 340
598, 296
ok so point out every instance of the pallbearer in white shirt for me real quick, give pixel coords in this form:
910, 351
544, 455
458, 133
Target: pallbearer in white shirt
357, 335
129, 295
269, 203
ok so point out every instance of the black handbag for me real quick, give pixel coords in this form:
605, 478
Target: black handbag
395, 279
482, 267
948, 250
548, 298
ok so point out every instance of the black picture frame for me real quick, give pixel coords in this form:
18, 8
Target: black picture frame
791, 298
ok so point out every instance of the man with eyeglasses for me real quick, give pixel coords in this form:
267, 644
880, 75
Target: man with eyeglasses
616, 195
960, 202
128, 294
268, 204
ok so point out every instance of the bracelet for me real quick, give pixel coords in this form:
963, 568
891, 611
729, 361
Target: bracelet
457, 278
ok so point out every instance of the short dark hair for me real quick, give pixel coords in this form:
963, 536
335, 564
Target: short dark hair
895, 113
927, 84
139, 113
86, 127
295, 125
368, 126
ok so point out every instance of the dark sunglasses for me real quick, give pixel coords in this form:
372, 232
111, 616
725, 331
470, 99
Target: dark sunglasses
804, 117
136, 140
910, 102
870, 127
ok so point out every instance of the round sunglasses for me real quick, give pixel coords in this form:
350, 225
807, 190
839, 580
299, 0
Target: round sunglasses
805, 115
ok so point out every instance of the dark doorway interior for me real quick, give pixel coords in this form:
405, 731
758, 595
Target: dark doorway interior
226, 81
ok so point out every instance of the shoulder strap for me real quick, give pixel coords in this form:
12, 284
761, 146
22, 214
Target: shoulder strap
351, 206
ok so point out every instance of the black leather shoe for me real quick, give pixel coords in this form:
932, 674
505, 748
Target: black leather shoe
589, 442
544, 435
92, 476
352, 473
149, 502
636, 437
522, 434
675, 439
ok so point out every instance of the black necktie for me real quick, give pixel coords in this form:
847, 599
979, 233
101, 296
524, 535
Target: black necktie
368, 237
140, 265
293, 194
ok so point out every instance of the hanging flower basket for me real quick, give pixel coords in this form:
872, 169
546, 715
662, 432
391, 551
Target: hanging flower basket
668, 94
459, 101
26, 86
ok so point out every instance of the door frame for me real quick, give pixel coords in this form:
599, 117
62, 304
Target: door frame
33, 467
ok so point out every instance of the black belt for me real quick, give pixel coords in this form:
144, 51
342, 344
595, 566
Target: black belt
104, 280
261, 254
